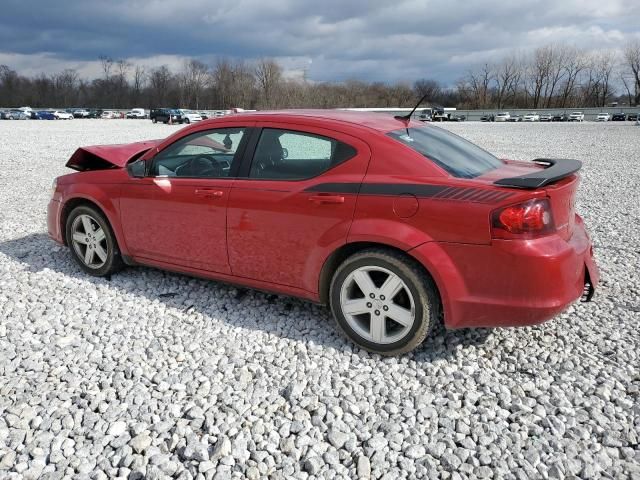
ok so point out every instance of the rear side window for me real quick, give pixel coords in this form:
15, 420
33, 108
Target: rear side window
292, 155
454, 154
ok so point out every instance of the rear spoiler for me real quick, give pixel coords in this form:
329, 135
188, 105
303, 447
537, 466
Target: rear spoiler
556, 169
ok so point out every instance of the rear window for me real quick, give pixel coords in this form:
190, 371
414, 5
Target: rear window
454, 154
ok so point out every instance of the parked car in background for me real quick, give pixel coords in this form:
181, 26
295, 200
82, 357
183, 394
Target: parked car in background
632, 116
204, 115
576, 117
502, 117
515, 118
546, 117
457, 118
164, 115
108, 114
531, 117
62, 115
618, 117
603, 117
488, 118
189, 116
95, 113
15, 114
45, 115
138, 113
80, 113
431, 229
560, 117
4, 115
425, 115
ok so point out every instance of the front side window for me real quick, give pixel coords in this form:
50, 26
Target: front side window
207, 154
292, 155
457, 156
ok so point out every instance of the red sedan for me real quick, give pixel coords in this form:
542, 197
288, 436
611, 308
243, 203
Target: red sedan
395, 224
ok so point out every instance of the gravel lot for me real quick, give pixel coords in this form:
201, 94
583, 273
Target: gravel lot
156, 375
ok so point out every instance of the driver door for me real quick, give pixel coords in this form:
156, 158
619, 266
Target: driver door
176, 214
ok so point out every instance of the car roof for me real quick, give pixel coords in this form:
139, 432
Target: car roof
375, 121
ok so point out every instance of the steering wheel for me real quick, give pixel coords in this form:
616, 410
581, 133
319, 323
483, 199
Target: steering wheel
203, 165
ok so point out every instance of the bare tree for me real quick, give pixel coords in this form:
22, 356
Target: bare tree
631, 55
575, 63
139, 80
539, 73
107, 64
268, 75
195, 78
159, 82
604, 66
507, 77
477, 85
429, 88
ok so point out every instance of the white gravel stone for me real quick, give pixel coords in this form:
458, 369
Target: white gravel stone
155, 375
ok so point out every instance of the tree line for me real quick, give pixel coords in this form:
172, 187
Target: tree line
549, 76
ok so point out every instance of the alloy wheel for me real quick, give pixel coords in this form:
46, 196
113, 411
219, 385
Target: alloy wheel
377, 304
89, 241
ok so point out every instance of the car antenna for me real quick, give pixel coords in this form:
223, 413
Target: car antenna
406, 118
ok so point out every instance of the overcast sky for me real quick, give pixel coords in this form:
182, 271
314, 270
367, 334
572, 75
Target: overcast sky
333, 39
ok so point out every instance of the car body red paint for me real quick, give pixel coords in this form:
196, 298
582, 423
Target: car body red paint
279, 235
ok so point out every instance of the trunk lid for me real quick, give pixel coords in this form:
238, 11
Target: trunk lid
562, 196
102, 157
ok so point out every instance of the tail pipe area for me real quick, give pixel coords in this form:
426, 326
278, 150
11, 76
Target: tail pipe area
588, 290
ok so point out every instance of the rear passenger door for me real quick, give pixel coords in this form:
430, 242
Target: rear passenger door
293, 203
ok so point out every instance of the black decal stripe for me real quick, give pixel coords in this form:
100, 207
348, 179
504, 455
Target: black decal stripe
401, 188
437, 192
335, 188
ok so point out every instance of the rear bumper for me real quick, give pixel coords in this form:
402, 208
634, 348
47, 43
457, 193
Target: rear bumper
510, 283
54, 211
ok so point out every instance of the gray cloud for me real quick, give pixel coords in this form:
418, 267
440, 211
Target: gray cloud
333, 39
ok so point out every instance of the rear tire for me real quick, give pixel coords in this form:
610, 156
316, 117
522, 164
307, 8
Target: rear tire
384, 302
92, 242
153, 120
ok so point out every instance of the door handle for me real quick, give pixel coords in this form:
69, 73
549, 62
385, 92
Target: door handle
209, 193
326, 199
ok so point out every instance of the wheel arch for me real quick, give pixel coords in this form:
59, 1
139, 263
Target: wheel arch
107, 210
339, 255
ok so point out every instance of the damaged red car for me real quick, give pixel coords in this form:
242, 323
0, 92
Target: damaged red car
396, 225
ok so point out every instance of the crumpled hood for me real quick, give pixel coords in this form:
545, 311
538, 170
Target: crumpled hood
102, 157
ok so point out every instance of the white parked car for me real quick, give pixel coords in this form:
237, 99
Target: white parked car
62, 115
502, 117
109, 114
136, 113
603, 117
189, 116
576, 117
546, 117
531, 117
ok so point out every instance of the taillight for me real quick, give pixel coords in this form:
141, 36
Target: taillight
524, 220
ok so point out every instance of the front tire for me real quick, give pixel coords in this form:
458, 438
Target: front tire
92, 242
384, 302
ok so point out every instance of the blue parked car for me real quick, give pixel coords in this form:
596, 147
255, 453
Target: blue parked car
44, 115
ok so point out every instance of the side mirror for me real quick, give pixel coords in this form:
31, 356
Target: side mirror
137, 169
